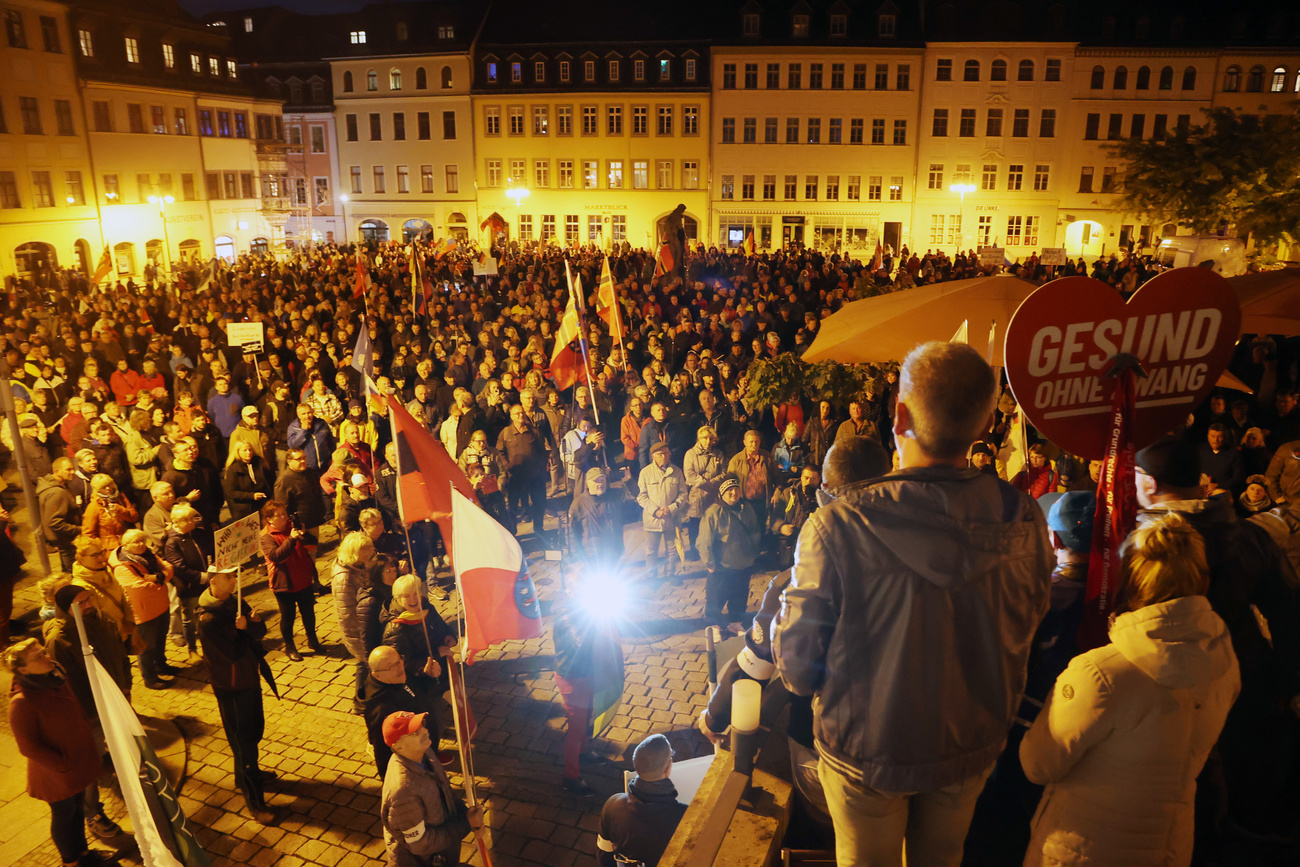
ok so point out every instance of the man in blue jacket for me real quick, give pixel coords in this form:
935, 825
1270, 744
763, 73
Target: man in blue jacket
313, 437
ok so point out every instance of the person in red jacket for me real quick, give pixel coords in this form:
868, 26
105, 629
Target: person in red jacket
1038, 477
55, 737
292, 575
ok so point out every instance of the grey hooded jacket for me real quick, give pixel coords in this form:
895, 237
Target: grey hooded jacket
910, 615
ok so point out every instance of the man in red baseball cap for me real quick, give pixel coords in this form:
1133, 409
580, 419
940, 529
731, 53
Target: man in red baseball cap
424, 821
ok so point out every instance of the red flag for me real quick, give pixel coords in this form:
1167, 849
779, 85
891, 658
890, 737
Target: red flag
664, 261
362, 284
749, 244
564, 360
425, 473
878, 262
496, 590
1115, 517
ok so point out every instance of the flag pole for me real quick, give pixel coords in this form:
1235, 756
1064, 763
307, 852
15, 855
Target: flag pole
575, 289
458, 709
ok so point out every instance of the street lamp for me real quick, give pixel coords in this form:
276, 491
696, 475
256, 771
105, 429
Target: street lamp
961, 190
517, 193
162, 202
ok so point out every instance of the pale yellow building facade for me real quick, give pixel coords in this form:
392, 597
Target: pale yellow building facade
48, 213
598, 168
405, 145
814, 146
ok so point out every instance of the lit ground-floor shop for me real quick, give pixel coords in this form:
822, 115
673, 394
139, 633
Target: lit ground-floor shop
607, 218
136, 236
369, 221
848, 231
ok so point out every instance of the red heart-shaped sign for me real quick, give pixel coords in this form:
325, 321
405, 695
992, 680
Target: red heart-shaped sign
1182, 325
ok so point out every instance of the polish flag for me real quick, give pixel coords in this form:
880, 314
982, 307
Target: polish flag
492, 577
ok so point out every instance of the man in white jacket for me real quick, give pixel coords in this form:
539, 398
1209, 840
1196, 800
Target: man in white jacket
662, 499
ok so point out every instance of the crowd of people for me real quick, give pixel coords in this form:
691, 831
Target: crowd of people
906, 559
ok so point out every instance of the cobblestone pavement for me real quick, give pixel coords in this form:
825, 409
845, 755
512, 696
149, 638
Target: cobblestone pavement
327, 798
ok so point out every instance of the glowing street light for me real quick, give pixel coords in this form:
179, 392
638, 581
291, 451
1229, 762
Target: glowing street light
162, 202
962, 189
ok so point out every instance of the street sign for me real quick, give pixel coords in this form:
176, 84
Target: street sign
1182, 325
237, 541
246, 335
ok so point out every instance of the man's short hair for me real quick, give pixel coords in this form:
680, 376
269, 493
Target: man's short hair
950, 391
853, 459
158, 487
651, 757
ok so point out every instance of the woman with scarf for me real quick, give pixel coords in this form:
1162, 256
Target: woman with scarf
291, 573
144, 576
108, 514
91, 572
245, 481
57, 740
412, 630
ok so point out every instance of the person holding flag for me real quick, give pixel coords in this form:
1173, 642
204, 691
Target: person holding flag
588, 658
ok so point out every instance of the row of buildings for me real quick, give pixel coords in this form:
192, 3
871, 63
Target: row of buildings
138, 129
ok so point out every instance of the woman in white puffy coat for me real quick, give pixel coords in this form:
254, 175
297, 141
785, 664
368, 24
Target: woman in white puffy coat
1129, 725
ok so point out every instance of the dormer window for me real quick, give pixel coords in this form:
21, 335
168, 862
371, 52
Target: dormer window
613, 70
403, 32
886, 26
357, 37
800, 25
539, 71
750, 21
839, 25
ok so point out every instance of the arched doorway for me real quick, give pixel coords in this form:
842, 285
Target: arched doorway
689, 224
81, 250
153, 251
190, 251
373, 231
414, 229
496, 227
1084, 238
35, 259
225, 248
124, 257
457, 226
260, 247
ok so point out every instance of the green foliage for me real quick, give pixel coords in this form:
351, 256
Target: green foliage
1240, 169
787, 377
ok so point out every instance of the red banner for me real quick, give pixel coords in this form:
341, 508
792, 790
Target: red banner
1115, 516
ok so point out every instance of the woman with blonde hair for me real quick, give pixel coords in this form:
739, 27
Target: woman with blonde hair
1129, 725
346, 580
